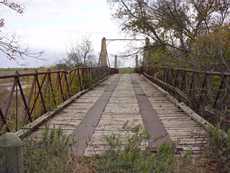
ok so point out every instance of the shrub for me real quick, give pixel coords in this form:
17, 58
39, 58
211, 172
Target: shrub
53, 154
50, 154
219, 150
132, 157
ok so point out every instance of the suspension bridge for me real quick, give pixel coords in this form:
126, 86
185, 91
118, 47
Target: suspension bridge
173, 105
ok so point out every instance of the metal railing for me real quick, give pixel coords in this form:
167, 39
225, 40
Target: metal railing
207, 93
26, 96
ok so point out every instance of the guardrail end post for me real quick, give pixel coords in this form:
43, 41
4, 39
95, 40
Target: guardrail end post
11, 154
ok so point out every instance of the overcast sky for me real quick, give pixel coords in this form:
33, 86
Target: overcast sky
55, 25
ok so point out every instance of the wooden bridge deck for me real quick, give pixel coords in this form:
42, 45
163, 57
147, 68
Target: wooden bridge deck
120, 103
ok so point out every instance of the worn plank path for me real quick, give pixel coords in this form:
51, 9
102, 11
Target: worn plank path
116, 106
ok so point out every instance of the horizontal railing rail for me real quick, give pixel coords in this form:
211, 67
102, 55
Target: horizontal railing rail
26, 96
207, 93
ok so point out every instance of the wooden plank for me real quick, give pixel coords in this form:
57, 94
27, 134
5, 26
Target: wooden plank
186, 133
85, 130
156, 130
37, 124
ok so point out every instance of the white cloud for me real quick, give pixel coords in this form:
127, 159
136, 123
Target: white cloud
55, 24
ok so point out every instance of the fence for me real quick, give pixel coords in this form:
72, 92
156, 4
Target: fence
26, 96
207, 93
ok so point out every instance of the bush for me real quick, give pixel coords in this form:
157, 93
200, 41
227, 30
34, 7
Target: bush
50, 154
53, 154
133, 157
219, 150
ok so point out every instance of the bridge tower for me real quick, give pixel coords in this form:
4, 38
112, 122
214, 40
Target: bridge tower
103, 58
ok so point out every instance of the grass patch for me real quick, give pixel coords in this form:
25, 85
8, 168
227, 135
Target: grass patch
53, 154
133, 158
50, 154
219, 150
126, 70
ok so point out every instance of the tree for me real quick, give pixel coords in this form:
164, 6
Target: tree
213, 50
81, 54
172, 23
9, 45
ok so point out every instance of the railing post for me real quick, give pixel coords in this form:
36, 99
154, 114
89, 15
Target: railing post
11, 154
40, 90
4, 120
23, 97
79, 78
90, 77
83, 78
51, 87
60, 85
137, 65
146, 52
67, 83
115, 62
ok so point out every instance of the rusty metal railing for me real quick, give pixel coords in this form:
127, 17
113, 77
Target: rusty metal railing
26, 96
207, 93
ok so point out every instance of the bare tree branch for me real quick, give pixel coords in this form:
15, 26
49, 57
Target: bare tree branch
9, 45
81, 54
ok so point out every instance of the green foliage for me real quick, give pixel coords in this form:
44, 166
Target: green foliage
127, 70
164, 159
162, 56
75, 86
2, 158
208, 51
219, 149
158, 56
212, 49
50, 154
133, 157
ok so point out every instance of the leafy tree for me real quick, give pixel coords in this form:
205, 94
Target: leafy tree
212, 51
172, 23
190, 33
